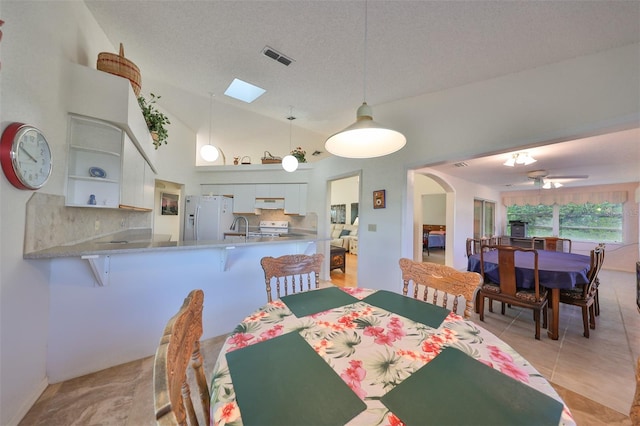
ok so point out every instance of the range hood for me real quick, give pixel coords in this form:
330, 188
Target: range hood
269, 203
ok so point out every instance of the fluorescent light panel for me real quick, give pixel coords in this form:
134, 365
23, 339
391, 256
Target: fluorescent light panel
243, 91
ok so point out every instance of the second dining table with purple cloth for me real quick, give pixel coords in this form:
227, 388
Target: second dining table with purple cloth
357, 356
556, 271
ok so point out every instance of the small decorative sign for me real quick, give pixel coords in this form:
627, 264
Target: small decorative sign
379, 199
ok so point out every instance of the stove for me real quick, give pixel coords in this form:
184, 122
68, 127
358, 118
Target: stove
271, 228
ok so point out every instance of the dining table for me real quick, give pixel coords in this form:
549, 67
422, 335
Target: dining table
556, 271
359, 356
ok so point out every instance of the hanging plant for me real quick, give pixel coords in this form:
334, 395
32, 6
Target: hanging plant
156, 121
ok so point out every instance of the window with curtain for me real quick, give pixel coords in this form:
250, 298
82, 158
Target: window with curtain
598, 222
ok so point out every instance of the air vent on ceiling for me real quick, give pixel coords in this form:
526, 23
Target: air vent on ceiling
276, 56
461, 164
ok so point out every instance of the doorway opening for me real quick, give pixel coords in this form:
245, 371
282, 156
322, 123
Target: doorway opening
344, 204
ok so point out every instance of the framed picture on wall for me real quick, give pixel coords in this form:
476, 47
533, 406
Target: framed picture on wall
379, 199
169, 204
338, 213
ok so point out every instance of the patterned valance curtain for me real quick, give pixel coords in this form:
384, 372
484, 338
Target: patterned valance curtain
551, 197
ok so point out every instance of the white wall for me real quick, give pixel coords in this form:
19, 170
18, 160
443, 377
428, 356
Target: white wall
434, 209
576, 96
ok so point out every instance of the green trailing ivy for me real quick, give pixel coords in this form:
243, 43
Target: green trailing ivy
156, 121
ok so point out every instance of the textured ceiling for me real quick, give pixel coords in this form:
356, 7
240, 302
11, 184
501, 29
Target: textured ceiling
188, 49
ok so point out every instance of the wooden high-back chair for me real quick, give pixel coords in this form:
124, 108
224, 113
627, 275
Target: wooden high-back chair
180, 343
291, 273
584, 296
506, 290
552, 243
442, 278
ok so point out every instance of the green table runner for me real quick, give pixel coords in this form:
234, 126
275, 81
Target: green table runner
456, 389
312, 302
416, 310
283, 381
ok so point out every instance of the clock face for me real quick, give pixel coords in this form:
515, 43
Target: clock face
25, 156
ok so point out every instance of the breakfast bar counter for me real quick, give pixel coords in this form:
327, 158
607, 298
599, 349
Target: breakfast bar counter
138, 242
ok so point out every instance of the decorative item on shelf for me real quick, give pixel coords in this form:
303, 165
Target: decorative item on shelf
270, 159
120, 66
299, 153
245, 160
156, 121
97, 172
236, 161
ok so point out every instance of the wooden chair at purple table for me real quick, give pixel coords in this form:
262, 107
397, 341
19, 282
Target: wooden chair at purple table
291, 273
584, 295
506, 291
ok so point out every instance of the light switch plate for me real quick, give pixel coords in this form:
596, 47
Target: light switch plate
372, 227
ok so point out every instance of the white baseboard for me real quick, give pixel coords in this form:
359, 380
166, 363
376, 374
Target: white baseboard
24, 409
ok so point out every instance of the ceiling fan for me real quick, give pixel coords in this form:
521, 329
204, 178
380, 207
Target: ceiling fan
542, 179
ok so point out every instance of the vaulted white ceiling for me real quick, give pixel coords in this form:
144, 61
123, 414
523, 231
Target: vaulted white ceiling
187, 49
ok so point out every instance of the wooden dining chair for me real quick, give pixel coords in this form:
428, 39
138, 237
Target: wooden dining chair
507, 291
474, 245
584, 295
291, 273
552, 243
440, 278
634, 412
180, 343
596, 302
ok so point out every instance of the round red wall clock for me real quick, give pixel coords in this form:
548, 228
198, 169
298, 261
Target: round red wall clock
25, 156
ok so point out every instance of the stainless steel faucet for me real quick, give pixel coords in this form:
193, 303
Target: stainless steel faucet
246, 225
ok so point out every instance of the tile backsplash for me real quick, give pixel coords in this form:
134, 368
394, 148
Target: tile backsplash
49, 223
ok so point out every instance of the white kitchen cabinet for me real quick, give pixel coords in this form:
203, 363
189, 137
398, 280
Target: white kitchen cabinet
105, 163
138, 180
295, 200
215, 189
94, 163
271, 190
244, 198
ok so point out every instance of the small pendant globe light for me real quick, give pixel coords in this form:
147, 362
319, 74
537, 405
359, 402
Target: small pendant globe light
289, 162
365, 138
209, 152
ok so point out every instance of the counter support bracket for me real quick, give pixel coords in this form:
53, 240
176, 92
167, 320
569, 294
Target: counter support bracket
224, 258
101, 266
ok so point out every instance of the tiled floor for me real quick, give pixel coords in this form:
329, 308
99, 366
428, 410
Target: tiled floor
594, 376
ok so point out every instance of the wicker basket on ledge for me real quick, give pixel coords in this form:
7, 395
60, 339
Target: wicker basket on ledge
122, 67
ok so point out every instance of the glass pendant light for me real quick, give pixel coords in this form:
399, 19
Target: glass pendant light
209, 152
365, 138
289, 162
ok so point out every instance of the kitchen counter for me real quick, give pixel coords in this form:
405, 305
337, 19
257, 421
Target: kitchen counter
138, 242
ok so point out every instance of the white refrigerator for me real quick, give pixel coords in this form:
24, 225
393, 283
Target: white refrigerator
207, 217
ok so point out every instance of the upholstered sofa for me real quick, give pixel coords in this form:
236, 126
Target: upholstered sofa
342, 234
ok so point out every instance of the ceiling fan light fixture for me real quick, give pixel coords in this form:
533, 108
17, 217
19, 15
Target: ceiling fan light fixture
520, 158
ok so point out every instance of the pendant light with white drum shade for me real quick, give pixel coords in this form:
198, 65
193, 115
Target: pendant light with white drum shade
365, 138
209, 152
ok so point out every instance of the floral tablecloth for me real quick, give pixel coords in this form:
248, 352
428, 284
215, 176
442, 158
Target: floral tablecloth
372, 350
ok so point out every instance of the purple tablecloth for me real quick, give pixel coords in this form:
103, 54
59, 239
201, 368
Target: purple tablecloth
556, 269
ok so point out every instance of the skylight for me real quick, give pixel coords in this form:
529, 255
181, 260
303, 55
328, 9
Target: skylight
244, 91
